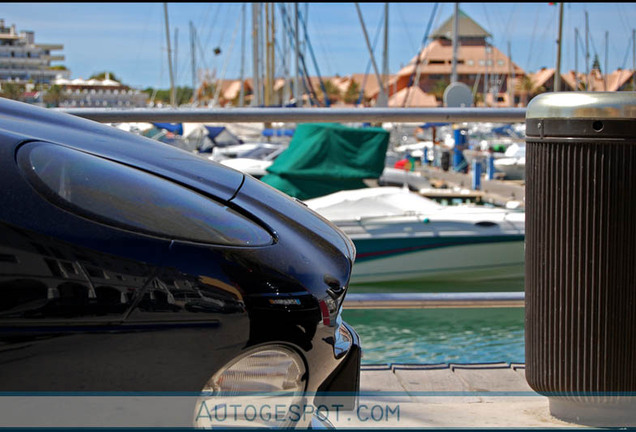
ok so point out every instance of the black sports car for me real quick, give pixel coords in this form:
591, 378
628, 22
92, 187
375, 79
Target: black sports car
130, 267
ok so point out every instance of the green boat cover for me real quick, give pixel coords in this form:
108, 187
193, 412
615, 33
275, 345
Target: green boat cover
324, 158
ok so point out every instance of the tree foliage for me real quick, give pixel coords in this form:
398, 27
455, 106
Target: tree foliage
183, 95
438, 89
333, 92
102, 76
53, 95
352, 93
12, 91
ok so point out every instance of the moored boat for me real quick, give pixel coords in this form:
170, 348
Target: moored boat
402, 236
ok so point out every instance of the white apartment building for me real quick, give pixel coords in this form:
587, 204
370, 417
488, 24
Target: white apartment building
23, 61
94, 93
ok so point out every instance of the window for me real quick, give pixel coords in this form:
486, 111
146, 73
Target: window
128, 198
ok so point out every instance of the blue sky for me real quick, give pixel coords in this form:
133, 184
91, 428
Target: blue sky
129, 38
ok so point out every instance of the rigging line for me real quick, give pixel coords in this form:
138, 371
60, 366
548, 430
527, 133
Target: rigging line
201, 52
629, 48
228, 55
383, 90
156, 89
487, 15
221, 28
594, 48
534, 30
309, 89
282, 55
405, 26
622, 14
546, 30
162, 48
321, 45
313, 57
204, 17
510, 21
212, 27
175, 58
287, 28
368, 69
416, 73
145, 32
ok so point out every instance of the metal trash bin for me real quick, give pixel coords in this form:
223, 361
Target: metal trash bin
581, 255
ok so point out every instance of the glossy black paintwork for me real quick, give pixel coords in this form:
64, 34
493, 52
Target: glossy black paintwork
90, 307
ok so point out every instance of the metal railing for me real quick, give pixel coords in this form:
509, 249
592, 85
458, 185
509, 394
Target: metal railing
434, 300
340, 115
336, 115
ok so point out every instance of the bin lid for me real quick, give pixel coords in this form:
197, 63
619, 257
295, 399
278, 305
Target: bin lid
583, 105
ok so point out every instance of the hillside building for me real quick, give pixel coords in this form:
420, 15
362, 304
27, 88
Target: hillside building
23, 61
481, 66
106, 93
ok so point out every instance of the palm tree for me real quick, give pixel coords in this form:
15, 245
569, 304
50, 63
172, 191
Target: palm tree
205, 92
12, 91
353, 93
53, 95
438, 89
525, 86
478, 98
333, 93
102, 76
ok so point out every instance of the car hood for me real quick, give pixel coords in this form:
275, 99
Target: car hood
32, 123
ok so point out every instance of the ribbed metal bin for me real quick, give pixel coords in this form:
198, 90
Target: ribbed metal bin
581, 255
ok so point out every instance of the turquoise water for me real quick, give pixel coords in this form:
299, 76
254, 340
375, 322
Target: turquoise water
439, 335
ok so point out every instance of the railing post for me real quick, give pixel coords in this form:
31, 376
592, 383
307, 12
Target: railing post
581, 255
476, 171
458, 155
490, 166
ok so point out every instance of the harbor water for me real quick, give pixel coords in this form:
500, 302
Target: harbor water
448, 335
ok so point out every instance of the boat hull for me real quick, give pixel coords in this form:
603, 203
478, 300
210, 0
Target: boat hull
476, 260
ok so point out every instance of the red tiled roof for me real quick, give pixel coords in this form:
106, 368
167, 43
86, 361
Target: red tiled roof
416, 98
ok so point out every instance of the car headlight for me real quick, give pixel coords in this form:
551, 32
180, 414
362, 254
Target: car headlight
132, 199
263, 387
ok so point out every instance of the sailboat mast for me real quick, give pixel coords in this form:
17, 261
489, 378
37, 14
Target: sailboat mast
605, 72
194, 64
242, 93
268, 43
385, 55
297, 93
172, 92
256, 100
587, 54
455, 43
382, 96
175, 57
557, 72
511, 78
576, 58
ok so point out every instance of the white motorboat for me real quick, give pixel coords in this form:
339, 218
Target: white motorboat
401, 236
513, 163
256, 159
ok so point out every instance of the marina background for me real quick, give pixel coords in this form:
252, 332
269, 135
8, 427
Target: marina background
129, 38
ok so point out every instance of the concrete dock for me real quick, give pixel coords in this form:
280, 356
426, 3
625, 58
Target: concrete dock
448, 396
497, 192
